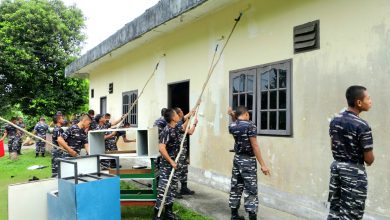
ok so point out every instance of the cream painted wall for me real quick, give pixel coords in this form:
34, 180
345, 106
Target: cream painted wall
355, 37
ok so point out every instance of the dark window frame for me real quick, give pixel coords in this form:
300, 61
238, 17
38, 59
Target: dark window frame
256, 71
132, 118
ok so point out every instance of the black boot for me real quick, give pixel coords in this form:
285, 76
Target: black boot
235, 215
36, 155
155, 216
169, 215
19, 152
185, 190
178, 195
43, 154
252, 216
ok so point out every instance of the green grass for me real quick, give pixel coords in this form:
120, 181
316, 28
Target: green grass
16, 172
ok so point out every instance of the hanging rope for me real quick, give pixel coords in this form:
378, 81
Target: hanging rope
136, 100
32, 135
196, 108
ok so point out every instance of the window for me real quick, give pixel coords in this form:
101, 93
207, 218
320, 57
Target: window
266, 91
243, 84
128, 98
110, 88
103, 105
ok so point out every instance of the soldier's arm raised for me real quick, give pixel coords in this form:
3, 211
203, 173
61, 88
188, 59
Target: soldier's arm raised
4, 135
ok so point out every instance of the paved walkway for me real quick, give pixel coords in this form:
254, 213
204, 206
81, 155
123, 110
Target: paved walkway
214, 203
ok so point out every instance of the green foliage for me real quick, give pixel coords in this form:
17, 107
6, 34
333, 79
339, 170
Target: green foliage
38, 39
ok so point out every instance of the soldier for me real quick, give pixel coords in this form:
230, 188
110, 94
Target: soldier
184, 156
40, 129
160, 123
58, 121
169, 148
244, 172
12, 133
93, 124
352, 145
20, 141
75, 138
110, 136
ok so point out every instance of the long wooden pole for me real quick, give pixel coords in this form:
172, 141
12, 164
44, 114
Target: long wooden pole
31, 134
211, 70
136, 100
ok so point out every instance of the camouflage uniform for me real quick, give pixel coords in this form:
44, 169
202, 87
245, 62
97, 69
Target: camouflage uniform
183, 160
76, 138
351, 136
244, 172
171, 137
93, 125
56, 153
41, 130
110, 143
20, 141
160, 123
13, 137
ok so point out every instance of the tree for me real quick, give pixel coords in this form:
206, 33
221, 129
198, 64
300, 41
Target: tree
38, 39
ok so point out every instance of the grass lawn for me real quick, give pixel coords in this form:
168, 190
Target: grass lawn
16, 172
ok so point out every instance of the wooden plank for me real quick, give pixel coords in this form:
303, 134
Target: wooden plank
121, 152
131, 171
138, 203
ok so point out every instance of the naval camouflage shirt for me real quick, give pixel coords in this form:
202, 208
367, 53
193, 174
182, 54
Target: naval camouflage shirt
242, 131
11, 131
171, 137
350, 137
75, 137
57, 131
161, 124
41, 129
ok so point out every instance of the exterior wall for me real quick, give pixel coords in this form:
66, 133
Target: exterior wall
354, 38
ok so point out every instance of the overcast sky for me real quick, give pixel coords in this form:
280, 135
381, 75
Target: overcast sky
105, 17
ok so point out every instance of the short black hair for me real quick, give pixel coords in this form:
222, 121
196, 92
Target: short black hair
98, 117
85, 117
126, 124
177, 109
107, 114
168, 114
353, 94
91, 112
55, 118
162, 111
241, 110
13, 118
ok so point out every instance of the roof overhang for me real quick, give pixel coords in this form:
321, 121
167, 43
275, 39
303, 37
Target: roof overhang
162, 18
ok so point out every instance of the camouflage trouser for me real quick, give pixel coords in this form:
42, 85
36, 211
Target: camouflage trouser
40, 147
347, 190
244, 180
165, 171
56, 153
110, 145
183, 168
13, 144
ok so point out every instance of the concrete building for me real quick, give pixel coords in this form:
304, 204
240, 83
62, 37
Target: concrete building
290, 62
